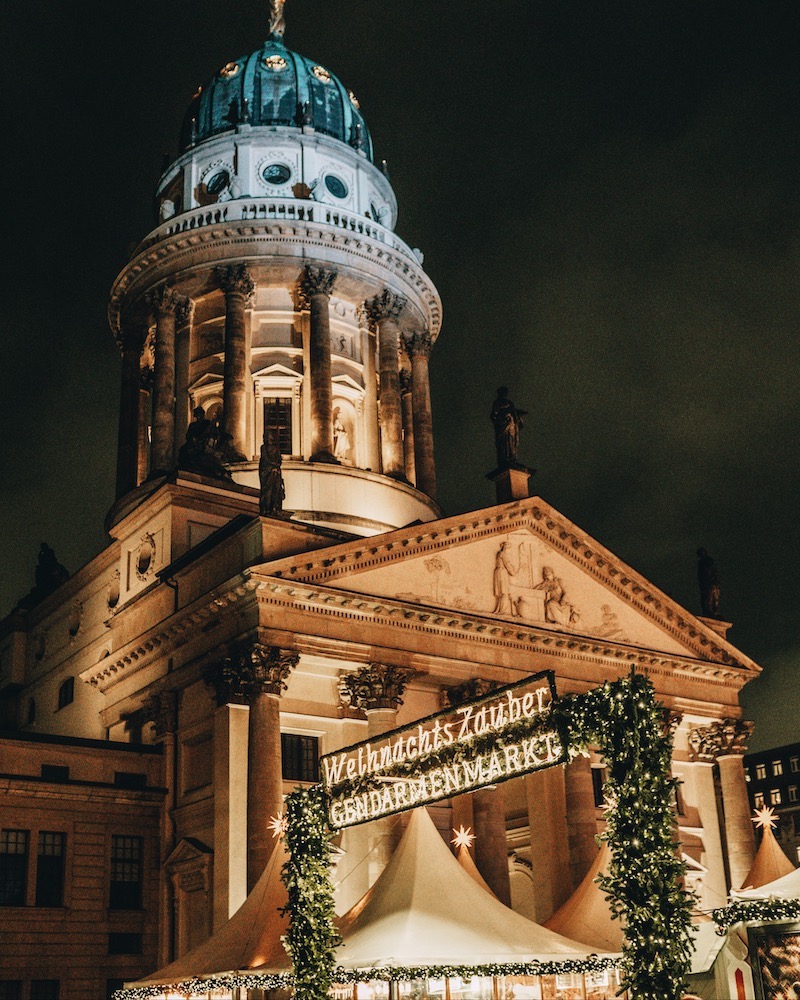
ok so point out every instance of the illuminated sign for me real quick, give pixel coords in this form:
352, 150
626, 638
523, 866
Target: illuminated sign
484, 741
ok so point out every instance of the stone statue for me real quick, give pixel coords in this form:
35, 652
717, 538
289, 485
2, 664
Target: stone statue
341, 439
204, 450
277, 22
708, 579
49, 571
504, 569
557, 608
270, 479
507, 421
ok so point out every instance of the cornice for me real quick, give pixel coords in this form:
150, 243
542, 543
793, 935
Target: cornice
534, 514
435, 623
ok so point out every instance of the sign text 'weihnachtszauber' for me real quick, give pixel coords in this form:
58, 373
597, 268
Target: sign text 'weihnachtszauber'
502, 735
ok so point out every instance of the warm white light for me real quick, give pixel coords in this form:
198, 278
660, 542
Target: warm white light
765, 817
464, 837
278, 825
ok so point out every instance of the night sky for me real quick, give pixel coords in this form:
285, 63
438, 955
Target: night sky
608, 200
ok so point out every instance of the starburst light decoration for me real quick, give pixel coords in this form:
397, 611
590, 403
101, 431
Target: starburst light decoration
464, 837
278, 825
765, 817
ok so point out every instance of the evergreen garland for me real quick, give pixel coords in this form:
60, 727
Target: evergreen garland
312, 939
756, 911
644, 880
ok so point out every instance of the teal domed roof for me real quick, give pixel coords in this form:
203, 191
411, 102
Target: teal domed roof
275, 86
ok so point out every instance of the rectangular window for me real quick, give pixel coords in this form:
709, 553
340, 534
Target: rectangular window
793, 793
13, 867
50, 869
300, 757
775, 797
758, 800
777, 768
598, 780
55, 772
66, 692
761, 771
794, 764
126, 873
44, 989
278, 421
123, 943
10, 989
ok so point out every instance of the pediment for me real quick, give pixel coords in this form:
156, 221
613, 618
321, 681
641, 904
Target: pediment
188, 851
523, 563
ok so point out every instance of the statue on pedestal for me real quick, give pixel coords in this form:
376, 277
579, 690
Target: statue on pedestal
270, 479
507, 421
204, 450
708, 579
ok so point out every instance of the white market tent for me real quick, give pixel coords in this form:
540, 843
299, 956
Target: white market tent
586, 915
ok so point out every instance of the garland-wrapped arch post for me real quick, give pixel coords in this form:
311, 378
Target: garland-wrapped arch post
644, 883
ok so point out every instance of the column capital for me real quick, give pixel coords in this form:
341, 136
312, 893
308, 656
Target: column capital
405, 381
252, 670
720, 739
235, 279
316, 281
162, 711
378, 685
475, 687
418, 343
162, 300
184, 311
362, 316
670, 720
387, 305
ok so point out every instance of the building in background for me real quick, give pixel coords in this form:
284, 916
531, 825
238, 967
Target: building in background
773, 779
279, 581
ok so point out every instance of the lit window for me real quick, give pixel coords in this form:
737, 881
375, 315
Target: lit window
228, 70
793, 793
321, 74
13, 867
126, 873
299, 757
50, 869
278, 422
758, 800
777, 768
794, 764
66, 692
775, 796
353, 99
275, 63
761, 771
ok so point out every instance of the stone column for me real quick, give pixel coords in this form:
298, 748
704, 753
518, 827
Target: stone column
725, 742
128, 435
238, 286
162, 710
315, 286
143, 449
488, 808
377, 690
408, 424
183, 331
384, 310
715, 887
256, 675
581, 820
549, 842
418, 346
163, 301
368, 349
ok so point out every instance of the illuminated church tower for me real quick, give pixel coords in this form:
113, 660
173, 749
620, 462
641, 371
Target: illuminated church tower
275, 295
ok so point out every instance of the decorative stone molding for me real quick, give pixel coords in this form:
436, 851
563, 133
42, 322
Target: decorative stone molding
475, 687
418, 343
316, 281
720, 739
378, 685
162, 711
163, 300
670, 720
184, 312
405, 381
387, 305
253, 670
235, 279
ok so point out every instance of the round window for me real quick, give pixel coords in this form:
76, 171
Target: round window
218, 182
144, 557
275, 63
336, 186
321, 74
276, 173
228, 70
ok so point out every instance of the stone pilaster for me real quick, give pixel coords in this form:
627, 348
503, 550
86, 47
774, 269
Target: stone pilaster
725, 742
128, 435
418, 347
368, 350
256, 675
408, 424
184, 314
488, 808
316, 284
384, 311
238, 286
143, 438
581, 820
163, 301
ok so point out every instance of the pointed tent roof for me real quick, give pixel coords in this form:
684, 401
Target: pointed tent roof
770, 862
464, 858
586, 915
251, 939
425, 909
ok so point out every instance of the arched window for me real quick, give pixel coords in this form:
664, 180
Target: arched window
66, 692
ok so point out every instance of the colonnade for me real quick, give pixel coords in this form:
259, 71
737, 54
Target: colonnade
396, 403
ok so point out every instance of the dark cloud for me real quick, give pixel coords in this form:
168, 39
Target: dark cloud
608, 201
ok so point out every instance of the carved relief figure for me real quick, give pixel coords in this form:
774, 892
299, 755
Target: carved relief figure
557, 608
609, 627
341, 439
504, 569
507, 421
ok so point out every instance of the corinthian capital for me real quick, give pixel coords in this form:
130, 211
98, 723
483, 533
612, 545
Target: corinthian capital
476, 687
720, 739
162, 711
184, 311
387, 305
235, 279
378, 685
252, 670
418, 343
316, 281
163, 299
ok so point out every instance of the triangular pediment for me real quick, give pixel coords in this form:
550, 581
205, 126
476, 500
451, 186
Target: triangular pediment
523, 563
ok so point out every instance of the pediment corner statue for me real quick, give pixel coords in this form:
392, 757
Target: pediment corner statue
507, 421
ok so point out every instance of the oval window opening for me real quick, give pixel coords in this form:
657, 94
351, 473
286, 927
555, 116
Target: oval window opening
336, 186
276, 173
218, 182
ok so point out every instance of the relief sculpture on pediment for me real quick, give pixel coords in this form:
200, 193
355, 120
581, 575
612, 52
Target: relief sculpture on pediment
524, 589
